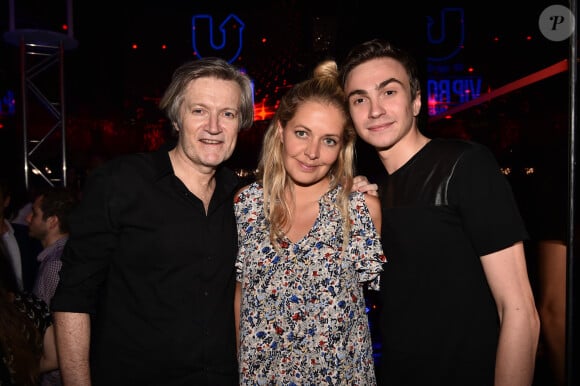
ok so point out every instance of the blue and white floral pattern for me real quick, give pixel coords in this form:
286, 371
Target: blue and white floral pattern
303, 317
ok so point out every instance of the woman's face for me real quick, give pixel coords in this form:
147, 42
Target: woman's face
312, 141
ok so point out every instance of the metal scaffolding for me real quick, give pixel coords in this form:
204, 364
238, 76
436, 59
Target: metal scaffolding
42, 86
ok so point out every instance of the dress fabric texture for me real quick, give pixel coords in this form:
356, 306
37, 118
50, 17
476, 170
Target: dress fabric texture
303, 319
442, 210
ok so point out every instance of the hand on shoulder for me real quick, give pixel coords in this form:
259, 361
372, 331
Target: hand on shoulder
362, 184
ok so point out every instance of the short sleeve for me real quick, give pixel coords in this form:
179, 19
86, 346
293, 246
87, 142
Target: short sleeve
485, 201
365, 246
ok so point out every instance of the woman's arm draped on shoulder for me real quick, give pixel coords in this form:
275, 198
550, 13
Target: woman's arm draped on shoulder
363, 185
73, 339
507, 275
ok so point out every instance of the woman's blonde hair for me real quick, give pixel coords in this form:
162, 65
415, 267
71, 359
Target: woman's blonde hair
324, 88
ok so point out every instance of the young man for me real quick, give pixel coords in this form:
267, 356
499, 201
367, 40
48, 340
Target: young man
457, 305
147, 283
48, 223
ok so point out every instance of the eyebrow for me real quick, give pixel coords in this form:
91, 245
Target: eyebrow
381, 85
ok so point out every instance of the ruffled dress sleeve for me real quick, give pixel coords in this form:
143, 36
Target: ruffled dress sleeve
365, 246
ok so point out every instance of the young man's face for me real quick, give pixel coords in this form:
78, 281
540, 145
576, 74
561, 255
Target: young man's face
380, 104
37, 226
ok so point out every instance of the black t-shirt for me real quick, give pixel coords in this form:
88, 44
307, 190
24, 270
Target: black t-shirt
442, 210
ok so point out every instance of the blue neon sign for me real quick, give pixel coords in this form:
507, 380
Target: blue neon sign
231, 26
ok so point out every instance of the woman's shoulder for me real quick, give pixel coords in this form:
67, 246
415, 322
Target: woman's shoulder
248, 191
373, 203
361, 199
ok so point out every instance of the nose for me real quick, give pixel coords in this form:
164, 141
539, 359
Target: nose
213, 126
376, 109
312, 150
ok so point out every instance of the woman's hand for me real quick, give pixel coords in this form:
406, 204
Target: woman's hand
362, 184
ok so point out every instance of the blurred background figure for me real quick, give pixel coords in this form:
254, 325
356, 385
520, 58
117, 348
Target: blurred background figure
27, 344
552, 305
547, 217
21, 250
48, 223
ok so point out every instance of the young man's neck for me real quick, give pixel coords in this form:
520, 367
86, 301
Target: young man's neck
398, 155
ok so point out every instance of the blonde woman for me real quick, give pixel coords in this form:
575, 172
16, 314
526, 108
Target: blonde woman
307, 246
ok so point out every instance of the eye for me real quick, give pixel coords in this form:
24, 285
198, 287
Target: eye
357, 100
390, 92
300, 133
330, 141
197, 111
230, 114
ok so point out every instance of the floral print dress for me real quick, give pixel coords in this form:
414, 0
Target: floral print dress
302, 313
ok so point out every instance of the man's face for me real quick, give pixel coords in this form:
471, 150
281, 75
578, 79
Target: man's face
37, 226
380, 104
210, 119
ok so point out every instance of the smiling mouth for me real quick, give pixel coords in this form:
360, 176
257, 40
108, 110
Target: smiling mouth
210, 141
306, 166
383, 126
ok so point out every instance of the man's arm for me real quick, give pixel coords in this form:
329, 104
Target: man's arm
508, 279
73, 341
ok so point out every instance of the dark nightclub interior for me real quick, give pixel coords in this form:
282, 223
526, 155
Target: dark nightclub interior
490, 75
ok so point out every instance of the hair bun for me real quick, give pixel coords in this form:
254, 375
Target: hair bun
326, 69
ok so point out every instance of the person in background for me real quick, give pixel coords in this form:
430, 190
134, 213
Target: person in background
48, 223
307, 246
27, 342
548, 218
457, 307
552, 262
147, 281
20, 248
